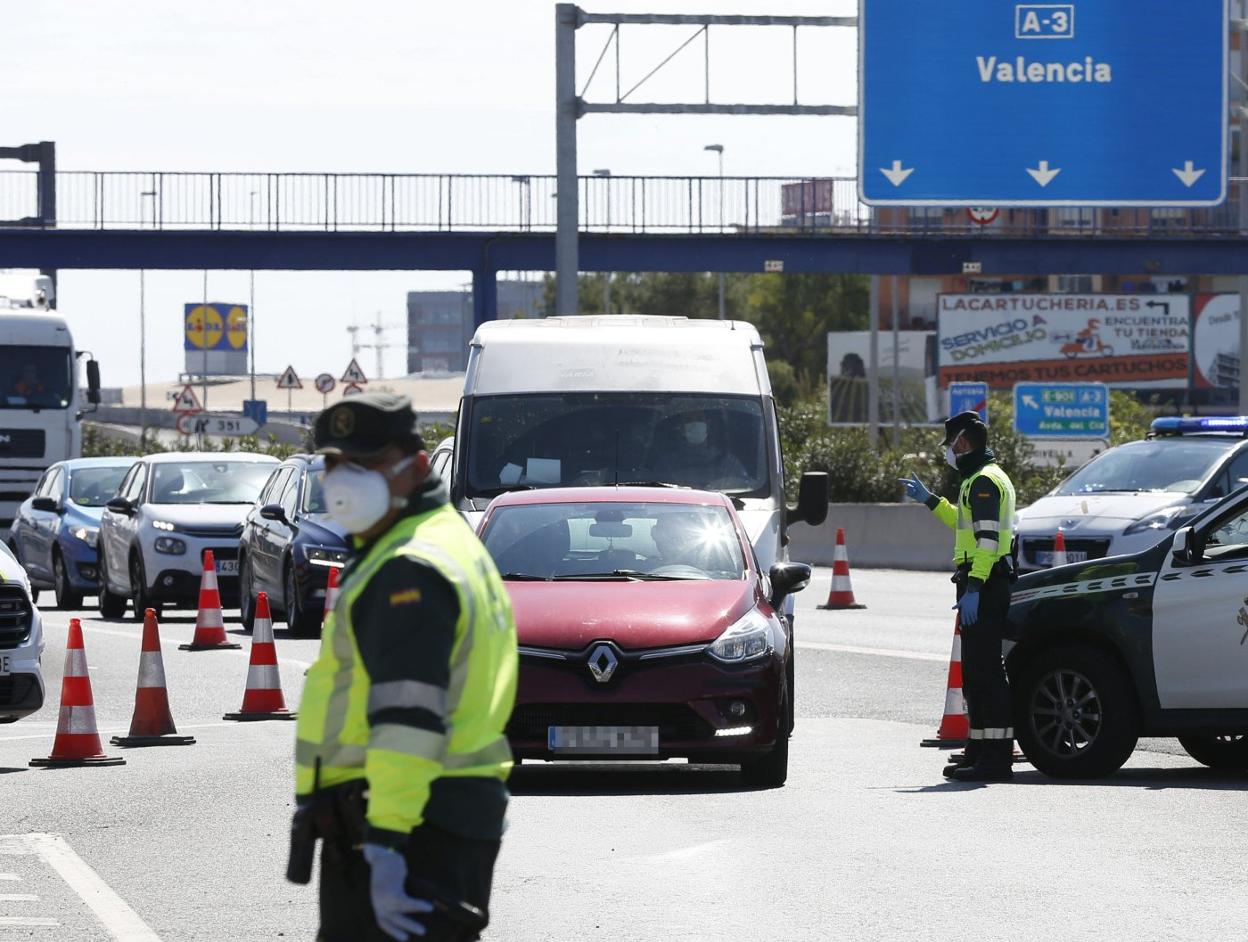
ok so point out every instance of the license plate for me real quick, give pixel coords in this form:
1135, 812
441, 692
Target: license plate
603, 740
1045, 557
227, 567
6, 666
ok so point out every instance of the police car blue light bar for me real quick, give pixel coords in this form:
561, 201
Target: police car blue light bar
1176, 425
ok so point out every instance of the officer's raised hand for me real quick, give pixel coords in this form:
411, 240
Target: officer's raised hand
916, 490
391, 904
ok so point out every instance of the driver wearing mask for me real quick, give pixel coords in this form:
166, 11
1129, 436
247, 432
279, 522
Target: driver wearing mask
698, 460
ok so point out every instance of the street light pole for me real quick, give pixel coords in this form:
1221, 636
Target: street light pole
606, 279
719, 152
143, 333
251, 306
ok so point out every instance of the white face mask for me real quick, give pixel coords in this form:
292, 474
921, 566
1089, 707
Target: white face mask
695, 433
951, 459
356, 498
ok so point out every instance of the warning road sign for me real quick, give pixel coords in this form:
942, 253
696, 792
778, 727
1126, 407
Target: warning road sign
186, 401
354, 374
351, 389
289, 379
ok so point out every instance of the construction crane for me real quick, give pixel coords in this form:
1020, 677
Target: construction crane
379, 345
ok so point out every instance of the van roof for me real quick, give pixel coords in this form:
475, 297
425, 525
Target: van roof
617, 353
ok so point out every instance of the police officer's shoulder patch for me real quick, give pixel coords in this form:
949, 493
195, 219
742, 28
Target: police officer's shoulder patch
404, 597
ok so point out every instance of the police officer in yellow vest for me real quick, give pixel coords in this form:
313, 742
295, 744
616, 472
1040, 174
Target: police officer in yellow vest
983, 522
401, 761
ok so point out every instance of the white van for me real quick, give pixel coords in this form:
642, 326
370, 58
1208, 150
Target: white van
584, 401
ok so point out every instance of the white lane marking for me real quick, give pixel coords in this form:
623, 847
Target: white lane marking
873, 652
121, 922
27, 921
105, 730
18, 898
687, 853
9, 876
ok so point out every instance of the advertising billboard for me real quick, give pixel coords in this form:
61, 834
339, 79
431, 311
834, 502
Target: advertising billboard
1123, 340
1215, 342
215, 338
849, 354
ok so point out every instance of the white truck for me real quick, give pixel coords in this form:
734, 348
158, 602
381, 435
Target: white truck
40, 401
594, 400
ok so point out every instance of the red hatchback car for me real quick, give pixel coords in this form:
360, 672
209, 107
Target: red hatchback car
646, 629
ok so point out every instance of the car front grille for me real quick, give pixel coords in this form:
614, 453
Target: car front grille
16, 616
213, 533
675, 721
15, 688
1096, 549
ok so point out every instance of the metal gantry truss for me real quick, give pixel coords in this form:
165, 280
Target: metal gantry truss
570, 105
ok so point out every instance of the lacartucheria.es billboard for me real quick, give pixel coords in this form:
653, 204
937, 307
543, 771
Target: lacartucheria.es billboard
1127, 341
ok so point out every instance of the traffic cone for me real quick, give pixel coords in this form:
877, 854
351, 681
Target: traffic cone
209, 623
1059, 550
842, 594
152, 724
77, 739
331, 594
262, 700
955, 728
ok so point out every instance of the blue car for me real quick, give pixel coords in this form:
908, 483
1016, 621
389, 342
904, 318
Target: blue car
56, 533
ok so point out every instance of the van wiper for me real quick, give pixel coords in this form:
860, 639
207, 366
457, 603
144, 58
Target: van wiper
505, 489
651, 484
523, 577
635, 575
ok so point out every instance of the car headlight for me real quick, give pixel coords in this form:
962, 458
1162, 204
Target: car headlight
163, 525
88, 535
171, 545
1170, 518
323, 556
746, 640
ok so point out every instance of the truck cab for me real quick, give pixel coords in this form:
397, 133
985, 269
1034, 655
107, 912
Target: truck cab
618, 400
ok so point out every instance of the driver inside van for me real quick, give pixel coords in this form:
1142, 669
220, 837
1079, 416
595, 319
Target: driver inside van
697, 458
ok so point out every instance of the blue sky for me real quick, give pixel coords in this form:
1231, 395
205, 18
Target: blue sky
375, 86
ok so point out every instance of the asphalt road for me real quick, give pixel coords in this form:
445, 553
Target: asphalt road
866, 841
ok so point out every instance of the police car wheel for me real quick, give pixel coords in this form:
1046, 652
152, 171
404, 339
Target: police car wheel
1076, 713
1218, 752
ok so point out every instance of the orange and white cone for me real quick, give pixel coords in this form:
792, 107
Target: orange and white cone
842, 594
152, 724
209, 623
955, 727
262, 700
331, 594
1059, 550
77, 739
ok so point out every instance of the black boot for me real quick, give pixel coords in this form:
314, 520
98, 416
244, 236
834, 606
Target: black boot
968, 757
995, 763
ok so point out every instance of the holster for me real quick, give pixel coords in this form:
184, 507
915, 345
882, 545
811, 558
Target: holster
335, 815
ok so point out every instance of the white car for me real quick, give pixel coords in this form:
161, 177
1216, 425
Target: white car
1130, 497
169, 509
21, 643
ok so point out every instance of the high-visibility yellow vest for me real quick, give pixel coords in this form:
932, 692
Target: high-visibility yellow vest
981, 553
401, 762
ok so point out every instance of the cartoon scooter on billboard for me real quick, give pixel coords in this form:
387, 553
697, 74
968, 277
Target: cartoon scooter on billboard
1086, 343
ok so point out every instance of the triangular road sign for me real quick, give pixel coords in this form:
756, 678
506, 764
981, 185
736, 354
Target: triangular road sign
289, 379
354, 374
186, 401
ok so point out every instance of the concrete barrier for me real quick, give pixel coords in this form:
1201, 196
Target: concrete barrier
893, 536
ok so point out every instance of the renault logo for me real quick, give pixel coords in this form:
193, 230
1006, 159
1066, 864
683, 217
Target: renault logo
602, 663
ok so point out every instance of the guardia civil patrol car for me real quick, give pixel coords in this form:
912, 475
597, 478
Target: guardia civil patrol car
1149, 644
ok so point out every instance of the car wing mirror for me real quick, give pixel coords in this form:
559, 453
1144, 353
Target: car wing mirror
47, 504
787, 578
812, 500
1185, 549
119, 505
273, 512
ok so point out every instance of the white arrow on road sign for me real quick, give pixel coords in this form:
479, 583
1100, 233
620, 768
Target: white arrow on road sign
354, 374
289, 379
896, 175
1031, 402
222, 424
1189, 174
1042, 174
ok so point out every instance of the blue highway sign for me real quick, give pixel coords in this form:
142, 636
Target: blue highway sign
1097, 102
1061, 410
969, 397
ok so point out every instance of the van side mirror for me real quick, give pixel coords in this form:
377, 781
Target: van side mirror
787, 578
1185, 549
812, 500
93, 382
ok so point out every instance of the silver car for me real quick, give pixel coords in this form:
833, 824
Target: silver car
169, 510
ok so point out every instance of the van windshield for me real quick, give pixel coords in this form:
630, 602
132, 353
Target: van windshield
704, 441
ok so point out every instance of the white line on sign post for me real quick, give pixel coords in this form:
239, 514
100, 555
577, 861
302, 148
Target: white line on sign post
121, 922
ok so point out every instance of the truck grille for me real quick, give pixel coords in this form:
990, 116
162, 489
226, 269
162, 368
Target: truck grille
21, 443
15, 616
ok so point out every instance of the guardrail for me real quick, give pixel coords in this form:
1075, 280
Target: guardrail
340, 202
